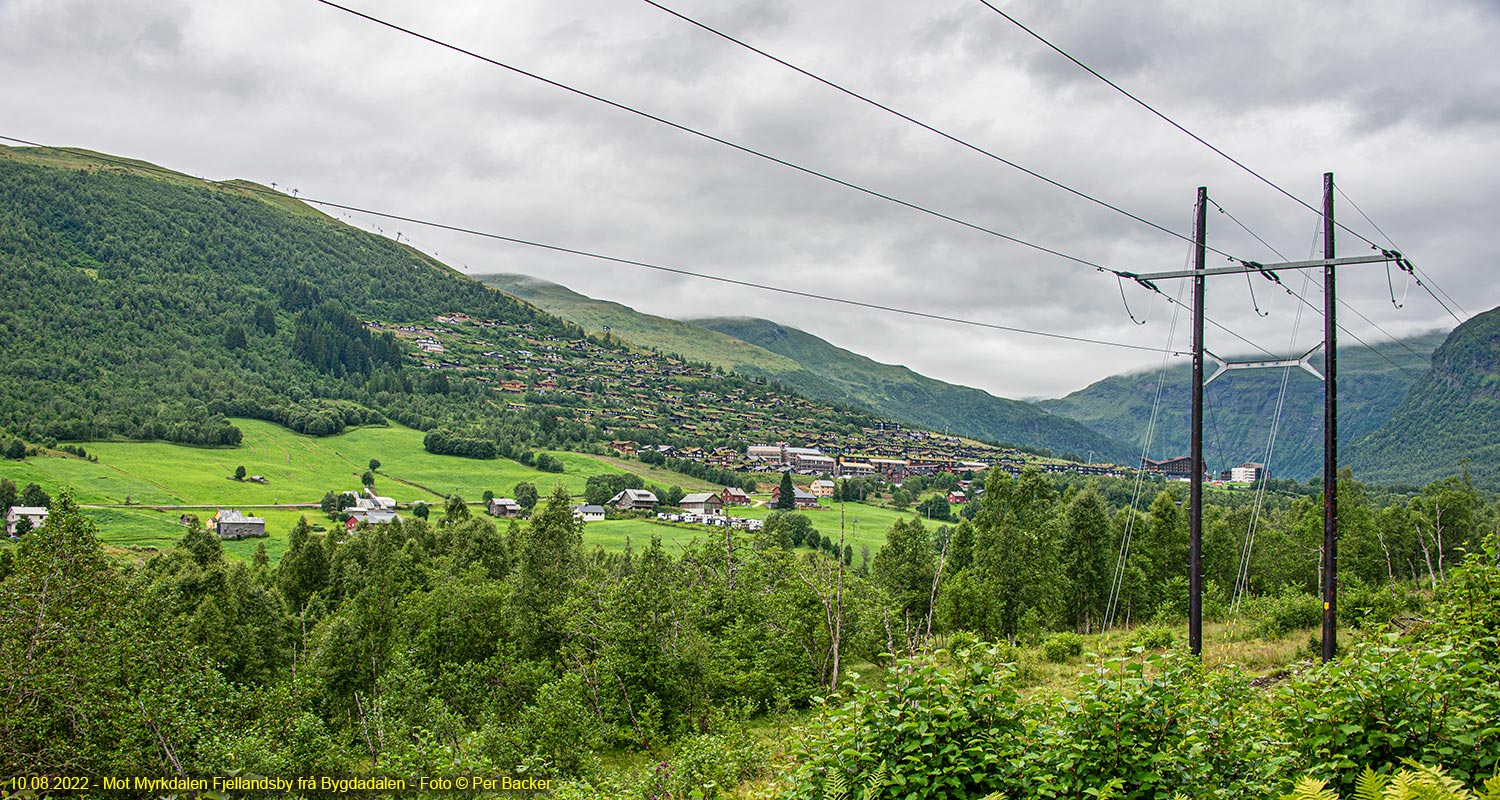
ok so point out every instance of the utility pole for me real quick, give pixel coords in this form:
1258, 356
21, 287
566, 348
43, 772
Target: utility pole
1330, 432
1195, 492
1328, 262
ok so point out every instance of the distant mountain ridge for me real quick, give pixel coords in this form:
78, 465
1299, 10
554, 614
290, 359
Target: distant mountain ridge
1449, 421
908, 395
1240, 407
820, 370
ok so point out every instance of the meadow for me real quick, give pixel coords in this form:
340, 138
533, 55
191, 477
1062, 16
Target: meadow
133, 487
138, 491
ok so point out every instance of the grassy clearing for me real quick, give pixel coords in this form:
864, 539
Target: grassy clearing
658, 475
298, 470
611, 534
863, 525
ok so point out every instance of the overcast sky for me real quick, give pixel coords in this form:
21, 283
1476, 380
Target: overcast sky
1401, 100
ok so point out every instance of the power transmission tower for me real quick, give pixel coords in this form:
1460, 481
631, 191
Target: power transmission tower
1329, 262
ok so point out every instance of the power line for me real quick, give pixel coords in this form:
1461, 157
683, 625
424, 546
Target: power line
716, 139
632, 262
1172, 122
1226, 156
1414, 268
1319, 311
925, 126
757, 153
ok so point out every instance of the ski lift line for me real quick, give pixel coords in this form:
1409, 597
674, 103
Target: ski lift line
719, 140
924, 125
660, 268
1195, 137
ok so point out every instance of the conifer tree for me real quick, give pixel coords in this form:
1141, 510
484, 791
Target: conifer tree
786, 498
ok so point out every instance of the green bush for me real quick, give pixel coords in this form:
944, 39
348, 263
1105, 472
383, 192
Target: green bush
1062, 647
933, 729
1279, 614
1157, 724
1152, 637
1365, 606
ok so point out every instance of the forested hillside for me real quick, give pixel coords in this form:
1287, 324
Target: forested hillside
146, 304
830, 371
1240, 407
1450, 419
818, 369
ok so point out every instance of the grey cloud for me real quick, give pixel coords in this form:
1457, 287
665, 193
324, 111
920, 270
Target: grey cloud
312, 98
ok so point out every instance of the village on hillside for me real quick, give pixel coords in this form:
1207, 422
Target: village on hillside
648, 400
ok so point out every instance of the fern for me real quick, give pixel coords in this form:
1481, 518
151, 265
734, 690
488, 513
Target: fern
1311, 789
836, 787
1370, 785
1417, 782
875, 784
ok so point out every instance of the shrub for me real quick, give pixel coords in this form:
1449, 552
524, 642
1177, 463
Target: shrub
1280, 614
1062, 647
932, 730
1381, 704
1364, 606
1151, 637
1155, 725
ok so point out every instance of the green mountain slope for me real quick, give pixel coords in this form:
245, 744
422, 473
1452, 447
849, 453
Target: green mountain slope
1450, 416
146, 304
1240, 406
833, 372
668, 335
817, 369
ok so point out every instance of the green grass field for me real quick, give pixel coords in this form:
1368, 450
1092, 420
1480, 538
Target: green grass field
152, 476
863, 525
298, 469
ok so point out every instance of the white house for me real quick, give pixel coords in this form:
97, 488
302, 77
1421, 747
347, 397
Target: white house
37, 515
588, 513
